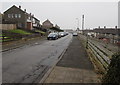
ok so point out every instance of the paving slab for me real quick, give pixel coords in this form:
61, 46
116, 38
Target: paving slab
71, 75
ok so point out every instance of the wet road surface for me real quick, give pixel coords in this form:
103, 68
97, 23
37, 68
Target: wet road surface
30, 63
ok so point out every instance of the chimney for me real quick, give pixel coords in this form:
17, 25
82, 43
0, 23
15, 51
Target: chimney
115, 27
104, 27
24, 10
99, 27
19, 7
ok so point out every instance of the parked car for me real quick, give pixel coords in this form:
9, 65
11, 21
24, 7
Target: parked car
52, 36
67, 33
75, 34
61, 34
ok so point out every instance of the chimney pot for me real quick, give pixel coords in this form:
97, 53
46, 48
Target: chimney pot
25, 10
20, 7
104, 26
99, 27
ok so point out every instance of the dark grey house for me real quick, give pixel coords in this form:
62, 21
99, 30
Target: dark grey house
1, 18
36, 22
113, 31
112, 34
23, 20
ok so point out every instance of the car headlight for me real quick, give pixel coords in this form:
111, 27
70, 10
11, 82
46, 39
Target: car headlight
54, 36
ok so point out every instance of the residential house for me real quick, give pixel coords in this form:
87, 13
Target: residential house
56, 26
36, 23
23, 20
6, 26
47, 24
1, 18
113, 34
0, 21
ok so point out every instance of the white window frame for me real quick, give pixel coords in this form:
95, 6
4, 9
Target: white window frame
19, 15
29, 17
9, 15
12, 16
16, 15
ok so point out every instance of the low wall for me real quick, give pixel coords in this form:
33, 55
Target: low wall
7, 26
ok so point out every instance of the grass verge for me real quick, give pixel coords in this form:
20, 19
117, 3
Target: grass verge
19, 31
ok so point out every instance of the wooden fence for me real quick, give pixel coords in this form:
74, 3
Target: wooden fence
7, 26
100, 54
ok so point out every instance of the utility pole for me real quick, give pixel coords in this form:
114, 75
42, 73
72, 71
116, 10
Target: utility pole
77, 23
82, 23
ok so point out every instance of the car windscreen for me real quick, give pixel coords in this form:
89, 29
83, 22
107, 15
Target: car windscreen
50, 35
61, 33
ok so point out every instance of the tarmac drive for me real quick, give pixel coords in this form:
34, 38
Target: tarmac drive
74, 67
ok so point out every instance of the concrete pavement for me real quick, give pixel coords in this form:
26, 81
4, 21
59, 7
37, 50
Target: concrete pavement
74, 67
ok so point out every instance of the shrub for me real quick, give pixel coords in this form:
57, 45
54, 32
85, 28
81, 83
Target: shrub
113, 73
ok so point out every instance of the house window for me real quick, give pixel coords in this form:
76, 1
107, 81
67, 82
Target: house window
16, 15
9, 15
29, 17
20, 25
12, 16
33, 20
19, 15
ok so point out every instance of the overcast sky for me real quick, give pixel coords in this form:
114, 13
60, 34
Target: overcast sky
65, 13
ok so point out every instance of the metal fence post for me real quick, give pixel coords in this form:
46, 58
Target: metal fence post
87, 42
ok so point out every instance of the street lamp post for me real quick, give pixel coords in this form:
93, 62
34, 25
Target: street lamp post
77, 23
82, 23
87, 42
87, 39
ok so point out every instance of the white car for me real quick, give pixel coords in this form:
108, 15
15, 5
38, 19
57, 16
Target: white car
75, 34
62, 34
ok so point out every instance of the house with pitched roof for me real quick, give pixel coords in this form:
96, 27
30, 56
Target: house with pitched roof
23, 20
47, 24
1, 17
56, 26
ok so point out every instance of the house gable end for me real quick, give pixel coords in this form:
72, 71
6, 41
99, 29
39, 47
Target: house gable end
14, 8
